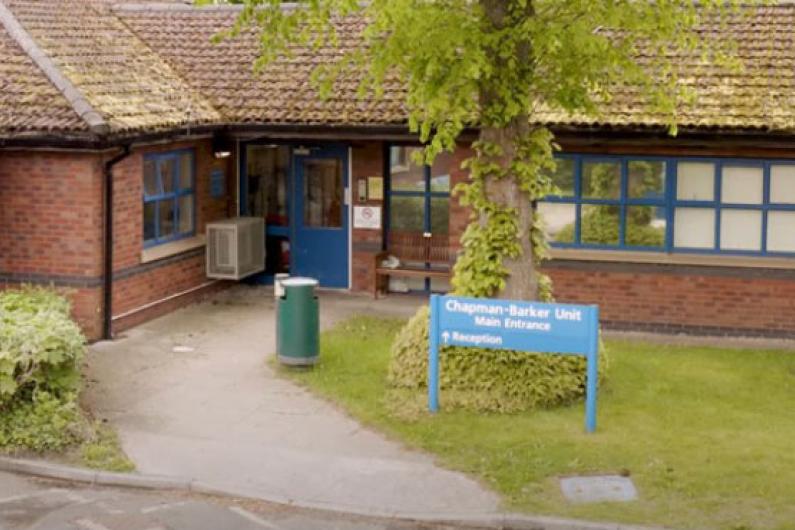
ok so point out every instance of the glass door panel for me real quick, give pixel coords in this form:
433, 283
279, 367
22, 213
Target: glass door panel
267, 192
324, 193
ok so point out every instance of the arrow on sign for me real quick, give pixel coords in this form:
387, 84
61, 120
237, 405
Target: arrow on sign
445, 337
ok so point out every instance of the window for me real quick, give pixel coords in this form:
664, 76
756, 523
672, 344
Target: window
672, 204
168, 197
418, 205
607, 202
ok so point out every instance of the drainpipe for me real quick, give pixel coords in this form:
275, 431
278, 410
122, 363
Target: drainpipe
107, 273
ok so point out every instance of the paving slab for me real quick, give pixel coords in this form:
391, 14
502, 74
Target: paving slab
192, 395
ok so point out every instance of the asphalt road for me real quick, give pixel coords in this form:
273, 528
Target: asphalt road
35, 504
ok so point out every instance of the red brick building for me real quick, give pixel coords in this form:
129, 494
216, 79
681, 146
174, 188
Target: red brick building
124, 132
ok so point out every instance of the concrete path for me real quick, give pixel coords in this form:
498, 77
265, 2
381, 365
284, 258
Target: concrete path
213, 410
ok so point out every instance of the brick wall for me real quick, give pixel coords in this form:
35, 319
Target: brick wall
137, 283
51, 226
367, 161
51, 214
674, 298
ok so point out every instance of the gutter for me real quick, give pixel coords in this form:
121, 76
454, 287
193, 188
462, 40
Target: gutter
107, 272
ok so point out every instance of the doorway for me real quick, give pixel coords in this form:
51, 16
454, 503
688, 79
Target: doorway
301, 194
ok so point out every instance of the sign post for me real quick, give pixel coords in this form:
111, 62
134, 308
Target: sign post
515, 325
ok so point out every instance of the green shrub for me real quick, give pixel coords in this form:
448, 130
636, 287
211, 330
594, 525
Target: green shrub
40, 353
45, 423
40, 346
488, 380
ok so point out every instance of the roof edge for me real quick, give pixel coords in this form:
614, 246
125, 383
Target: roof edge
81, 106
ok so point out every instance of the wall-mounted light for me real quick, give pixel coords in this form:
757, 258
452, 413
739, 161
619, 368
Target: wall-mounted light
222, 146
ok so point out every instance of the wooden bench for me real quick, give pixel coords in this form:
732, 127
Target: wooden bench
420, 255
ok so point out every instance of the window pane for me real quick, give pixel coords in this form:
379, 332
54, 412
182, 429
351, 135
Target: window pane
405, 174
694, 228
166, 210
558, 221
407, 214
695, 181
266, 183
646, 179
741, 185
563, 176
323, 193
645, 226
186, 214
601, 180
782, 183
186, 171
150, 214
440, 215
440, 172
166, 168
150, 178
599, 225
741, 230
781, 231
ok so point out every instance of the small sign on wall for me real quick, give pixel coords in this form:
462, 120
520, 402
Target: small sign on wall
367, 217
217, 184
375, 188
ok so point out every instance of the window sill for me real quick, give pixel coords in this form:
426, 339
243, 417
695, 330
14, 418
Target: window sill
761, 262
171, 249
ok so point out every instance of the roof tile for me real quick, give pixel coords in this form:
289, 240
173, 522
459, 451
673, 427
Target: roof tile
280, 93
120, 76
28, 102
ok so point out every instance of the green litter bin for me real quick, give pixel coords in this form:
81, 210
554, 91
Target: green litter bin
298, 323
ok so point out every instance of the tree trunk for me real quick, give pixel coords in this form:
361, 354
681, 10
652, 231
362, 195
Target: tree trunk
522, 281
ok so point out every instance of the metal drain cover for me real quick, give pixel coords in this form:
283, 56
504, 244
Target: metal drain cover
605, 488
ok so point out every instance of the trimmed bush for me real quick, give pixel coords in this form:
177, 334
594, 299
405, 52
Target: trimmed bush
488, 380
40, 353
40, 346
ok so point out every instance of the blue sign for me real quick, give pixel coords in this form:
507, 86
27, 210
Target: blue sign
513, 325
217, 184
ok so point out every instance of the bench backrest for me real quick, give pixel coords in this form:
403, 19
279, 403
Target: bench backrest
414, 246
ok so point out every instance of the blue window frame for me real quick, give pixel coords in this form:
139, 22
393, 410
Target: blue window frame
418, 201
707, 205
168, 197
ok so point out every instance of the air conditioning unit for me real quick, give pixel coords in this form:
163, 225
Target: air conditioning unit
235, 248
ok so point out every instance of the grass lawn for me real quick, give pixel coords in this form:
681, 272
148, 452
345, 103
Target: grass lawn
707, 434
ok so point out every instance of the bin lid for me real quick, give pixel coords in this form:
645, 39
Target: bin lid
299, 282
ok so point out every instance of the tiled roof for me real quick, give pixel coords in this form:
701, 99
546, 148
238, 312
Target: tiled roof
761, 95
28, 101
123, 79
281, 93
151, 66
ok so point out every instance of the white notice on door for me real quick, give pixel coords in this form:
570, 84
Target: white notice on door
367, 217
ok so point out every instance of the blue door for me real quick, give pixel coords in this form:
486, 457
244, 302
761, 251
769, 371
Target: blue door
319, 247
